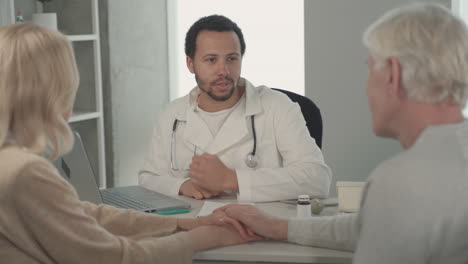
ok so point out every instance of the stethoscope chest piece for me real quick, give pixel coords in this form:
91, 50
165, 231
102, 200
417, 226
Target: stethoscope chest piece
251, 160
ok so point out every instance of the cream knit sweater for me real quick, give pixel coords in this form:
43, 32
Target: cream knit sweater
42, 221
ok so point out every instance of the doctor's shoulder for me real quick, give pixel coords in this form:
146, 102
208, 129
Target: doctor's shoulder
273, 100
174, 108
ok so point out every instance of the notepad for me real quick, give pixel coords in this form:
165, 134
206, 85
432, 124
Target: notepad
209, 206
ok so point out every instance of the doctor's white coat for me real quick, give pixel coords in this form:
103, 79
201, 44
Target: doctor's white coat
290, 162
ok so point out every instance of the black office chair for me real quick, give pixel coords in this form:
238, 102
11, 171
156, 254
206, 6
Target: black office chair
311, 114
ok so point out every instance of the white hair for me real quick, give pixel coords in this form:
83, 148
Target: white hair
431, 44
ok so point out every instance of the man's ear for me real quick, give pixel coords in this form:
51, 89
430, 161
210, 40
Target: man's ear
395, 77
189, 62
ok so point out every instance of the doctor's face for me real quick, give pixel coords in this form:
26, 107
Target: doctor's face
217, 63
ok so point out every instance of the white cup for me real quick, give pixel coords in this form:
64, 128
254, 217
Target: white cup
48, 20
349, 195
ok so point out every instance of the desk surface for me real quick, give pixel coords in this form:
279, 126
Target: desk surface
267, 251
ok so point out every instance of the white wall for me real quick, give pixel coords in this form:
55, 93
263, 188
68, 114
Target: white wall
336, 76
7, 15
274, 39
139, 81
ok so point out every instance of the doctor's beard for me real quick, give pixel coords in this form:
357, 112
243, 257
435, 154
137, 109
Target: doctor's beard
208, 90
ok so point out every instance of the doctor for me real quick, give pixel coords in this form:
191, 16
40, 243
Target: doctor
227, 135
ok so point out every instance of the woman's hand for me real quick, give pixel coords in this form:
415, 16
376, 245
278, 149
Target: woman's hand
256, 221
218, 218
211, 236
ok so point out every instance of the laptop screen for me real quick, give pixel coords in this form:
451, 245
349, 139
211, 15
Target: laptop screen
76, 169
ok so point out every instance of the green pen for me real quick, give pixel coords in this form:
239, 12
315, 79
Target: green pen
171, 212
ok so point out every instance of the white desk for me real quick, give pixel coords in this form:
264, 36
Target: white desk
266, 251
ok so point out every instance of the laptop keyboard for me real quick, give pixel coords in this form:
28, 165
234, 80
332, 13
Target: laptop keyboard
141, 199
123, 201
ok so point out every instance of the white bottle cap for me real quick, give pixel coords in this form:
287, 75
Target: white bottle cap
303, 198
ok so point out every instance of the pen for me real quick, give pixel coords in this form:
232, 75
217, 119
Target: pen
179, 211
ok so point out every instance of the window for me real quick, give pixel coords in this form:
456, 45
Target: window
273, 32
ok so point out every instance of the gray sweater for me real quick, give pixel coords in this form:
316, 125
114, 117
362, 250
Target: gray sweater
414, 207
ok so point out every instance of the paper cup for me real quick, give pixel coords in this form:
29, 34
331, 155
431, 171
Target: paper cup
349, 195
48, 20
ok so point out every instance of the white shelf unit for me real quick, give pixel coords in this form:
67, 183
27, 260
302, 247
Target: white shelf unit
82, 116
83, 37
79, 20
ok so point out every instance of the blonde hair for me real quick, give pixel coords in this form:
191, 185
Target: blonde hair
431, 45
38, 83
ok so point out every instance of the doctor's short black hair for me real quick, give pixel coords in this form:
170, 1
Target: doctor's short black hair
212, 23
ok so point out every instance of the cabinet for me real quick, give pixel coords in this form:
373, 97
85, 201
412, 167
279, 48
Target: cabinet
79, 20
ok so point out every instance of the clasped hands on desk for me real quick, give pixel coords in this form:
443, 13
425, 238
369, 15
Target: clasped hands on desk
266, 251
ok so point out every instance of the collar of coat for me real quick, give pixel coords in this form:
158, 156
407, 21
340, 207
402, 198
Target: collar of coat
236, 127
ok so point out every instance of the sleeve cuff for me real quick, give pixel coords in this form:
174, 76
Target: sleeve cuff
176, 187
335, 232
245, 186
169, 186
294, 230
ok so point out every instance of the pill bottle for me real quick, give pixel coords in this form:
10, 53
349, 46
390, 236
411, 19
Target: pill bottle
303, 206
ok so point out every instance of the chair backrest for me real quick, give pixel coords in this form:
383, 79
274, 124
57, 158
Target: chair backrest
311, 114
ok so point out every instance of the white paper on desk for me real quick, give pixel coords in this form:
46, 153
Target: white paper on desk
208, 207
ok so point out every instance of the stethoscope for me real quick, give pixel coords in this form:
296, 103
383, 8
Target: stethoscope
251, 160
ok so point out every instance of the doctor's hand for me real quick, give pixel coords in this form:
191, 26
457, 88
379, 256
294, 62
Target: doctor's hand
210, 173
189, 189
257, 221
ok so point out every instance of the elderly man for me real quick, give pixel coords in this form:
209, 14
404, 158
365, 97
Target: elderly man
414, 208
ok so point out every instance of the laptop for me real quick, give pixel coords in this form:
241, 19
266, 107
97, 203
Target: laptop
76, 169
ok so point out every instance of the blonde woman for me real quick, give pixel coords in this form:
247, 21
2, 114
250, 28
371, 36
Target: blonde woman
41, 219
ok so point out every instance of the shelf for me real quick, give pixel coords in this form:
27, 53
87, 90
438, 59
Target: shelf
80, 116
79, 21
82, 37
